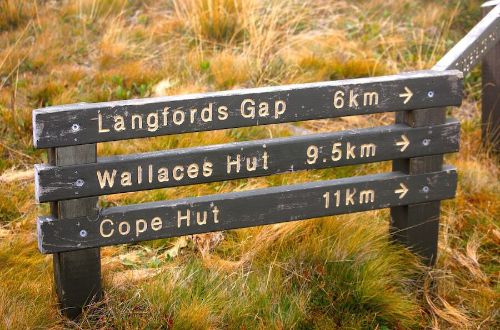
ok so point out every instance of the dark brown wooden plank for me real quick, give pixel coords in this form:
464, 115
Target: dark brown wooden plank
99, 122
242, 160
77, 274
490, 118
135, 223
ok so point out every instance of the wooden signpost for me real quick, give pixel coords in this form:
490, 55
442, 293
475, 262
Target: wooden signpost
74, 177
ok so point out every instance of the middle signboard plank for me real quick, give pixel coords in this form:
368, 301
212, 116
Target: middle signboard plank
242, 160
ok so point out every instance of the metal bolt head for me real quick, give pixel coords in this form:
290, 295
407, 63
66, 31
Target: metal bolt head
79, 183
425, 189
430, 94
83, 233
426, 142
75, 127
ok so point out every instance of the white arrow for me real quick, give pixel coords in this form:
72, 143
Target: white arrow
403, 144
407, 95
401, 191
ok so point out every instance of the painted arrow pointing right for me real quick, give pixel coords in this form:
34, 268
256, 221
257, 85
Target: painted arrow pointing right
402, 192
404, 143
407, 95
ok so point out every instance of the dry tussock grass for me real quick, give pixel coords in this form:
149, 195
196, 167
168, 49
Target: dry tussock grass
89, 50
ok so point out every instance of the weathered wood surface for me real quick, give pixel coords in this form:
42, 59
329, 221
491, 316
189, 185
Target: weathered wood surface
417, 226
490, 115
242, 160
77, 274
471, 49
135, 223
99, 122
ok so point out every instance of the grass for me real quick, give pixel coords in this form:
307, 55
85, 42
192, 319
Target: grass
335, 272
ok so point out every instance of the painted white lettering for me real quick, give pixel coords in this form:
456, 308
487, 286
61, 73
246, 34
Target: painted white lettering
200, 221
126, 179
215, 211
165, 116
207, 169
163, 174
178, 172
338, 99
366, 196
99, 121
179, 117
101, 228
140, 226
181, 217
222, 112
279, 108
368, 150
350, 151
193, 171
121, 227
119, 123
265, 157
206, 113
230, 163
353, 99
138, 119
248, 111
349, 197
106, 178
139, 174
370, 98
152, 121
251, 164
192, 115
156, 223
150, 173
263, 109
336, 151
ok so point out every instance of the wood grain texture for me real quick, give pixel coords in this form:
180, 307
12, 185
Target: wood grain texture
77, 274
81, 123
490, 115
147, 221
244, 159
417, 226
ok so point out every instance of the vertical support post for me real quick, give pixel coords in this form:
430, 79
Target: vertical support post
490, 116
77, 274
417, 226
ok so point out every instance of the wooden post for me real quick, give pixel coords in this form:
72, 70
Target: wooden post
77, 274
417, 226
490, 118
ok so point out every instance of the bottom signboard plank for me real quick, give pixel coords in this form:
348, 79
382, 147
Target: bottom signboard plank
141, 222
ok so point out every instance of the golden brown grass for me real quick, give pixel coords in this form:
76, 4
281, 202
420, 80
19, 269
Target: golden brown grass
331, 273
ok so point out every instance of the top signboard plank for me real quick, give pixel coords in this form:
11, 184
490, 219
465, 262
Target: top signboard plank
109, 121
